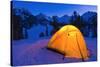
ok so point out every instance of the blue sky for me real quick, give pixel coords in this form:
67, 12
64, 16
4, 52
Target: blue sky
51, 9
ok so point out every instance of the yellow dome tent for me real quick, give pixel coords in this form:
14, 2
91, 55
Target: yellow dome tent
70, 42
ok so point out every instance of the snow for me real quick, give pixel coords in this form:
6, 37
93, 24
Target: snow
87, 17
34, 52
92, 47
64, 19
35, 31
43, 16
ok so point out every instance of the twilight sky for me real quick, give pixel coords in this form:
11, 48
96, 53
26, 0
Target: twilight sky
51, 9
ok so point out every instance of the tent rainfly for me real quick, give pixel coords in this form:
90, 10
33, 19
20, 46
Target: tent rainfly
70, 42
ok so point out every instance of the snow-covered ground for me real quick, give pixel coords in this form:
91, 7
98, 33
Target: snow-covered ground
34, 52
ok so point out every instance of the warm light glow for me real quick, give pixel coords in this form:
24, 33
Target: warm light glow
69, 40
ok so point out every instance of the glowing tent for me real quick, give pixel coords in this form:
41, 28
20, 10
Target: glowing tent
70, 42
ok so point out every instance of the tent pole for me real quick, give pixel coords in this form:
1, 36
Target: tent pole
80, 50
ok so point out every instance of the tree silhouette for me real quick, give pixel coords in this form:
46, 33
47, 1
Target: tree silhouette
16, 27
55, 24
90, 24
94, 25
76, 20
22, 20
43, 21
